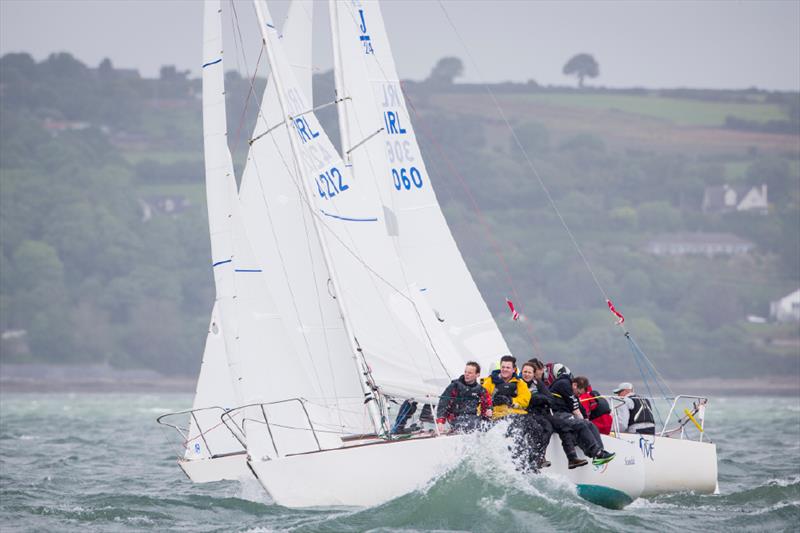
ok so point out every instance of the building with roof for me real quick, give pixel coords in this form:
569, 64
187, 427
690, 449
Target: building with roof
726, 199
787, 309
707, 244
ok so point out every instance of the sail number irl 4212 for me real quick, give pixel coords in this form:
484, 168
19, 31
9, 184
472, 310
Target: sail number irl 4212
330, 183
404, 178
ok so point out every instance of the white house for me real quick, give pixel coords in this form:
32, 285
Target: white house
724, 198
787, 309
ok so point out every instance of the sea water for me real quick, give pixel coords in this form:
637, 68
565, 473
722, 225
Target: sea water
99, 462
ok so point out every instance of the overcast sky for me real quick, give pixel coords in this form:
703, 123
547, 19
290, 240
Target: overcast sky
702, 44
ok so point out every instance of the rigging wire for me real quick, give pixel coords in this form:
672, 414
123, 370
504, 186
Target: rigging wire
638, 353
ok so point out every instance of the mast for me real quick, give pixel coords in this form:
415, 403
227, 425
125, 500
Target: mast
276, 76
338, 76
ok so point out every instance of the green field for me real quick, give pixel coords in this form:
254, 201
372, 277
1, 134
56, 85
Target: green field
679, 111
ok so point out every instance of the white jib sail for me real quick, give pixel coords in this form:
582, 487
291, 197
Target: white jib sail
361, 258
375, 102
260, 355
214, 394
281, 231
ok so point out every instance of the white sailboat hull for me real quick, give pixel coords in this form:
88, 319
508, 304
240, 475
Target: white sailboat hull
613, 485
372, 474
675, 465
231, 467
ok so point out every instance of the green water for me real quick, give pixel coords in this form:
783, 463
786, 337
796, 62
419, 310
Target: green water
98, 462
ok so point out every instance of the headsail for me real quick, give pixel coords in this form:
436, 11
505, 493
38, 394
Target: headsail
260, 355
285, 245
375, 102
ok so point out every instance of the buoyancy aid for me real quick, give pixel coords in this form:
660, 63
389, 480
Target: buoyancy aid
564, 399
602, 406
514, 388
641, 412
460, 398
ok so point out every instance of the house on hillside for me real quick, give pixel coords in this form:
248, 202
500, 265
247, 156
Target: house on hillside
165, 204
787, 309
708, 244
726, 199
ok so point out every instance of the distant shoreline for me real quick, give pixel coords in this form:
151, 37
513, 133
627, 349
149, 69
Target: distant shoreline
99, 379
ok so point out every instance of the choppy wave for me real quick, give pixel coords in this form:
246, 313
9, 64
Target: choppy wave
105, 467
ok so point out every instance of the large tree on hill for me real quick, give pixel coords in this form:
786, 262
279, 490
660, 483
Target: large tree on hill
446, 70
582, 66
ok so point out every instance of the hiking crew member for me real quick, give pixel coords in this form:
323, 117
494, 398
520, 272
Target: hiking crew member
539, 409
510, 395
636, 415
510, 399
464, 404
566, 408
596, 407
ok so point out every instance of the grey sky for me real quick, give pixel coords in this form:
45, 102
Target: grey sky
708, 44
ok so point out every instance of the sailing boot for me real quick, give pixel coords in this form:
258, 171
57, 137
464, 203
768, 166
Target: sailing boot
603, 457
575, 463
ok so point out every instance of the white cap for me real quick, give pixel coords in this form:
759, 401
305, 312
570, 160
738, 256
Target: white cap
622, 386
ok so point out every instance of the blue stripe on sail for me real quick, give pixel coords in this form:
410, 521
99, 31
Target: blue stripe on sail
212, 63
218, 263
348, 219
248, 270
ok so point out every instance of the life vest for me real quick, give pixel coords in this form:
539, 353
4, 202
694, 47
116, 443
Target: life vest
505, 388
602, 406
466, 398
641, 411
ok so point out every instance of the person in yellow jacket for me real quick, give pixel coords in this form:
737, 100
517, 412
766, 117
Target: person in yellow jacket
510, 395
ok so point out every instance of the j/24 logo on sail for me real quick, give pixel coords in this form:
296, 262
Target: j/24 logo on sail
331, 183
364, 37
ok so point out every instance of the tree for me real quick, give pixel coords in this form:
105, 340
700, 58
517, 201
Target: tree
446, 70
582, 66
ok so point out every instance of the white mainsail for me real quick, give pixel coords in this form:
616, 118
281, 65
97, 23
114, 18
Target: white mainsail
373, 101
365, 269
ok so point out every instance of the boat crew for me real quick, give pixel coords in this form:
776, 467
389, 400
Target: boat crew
636, 413
539, 409
510, 398
566, 407
464, 404
595, 406
510, 395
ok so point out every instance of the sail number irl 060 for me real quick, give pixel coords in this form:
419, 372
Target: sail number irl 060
330, 183
403, 178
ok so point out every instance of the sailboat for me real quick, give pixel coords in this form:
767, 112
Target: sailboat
340, 289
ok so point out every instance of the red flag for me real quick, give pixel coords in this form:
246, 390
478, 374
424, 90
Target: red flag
514, 314
613, 310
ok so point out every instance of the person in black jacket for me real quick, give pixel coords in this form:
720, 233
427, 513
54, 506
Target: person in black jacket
541, 407
464, 404
566, 408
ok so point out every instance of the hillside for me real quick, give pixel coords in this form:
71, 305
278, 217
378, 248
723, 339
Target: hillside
105, 245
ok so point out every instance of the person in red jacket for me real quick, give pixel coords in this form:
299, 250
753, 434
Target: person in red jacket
597, 408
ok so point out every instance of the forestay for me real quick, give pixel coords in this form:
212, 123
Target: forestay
365, 267
374, 102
